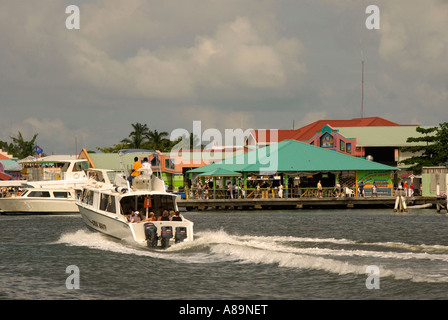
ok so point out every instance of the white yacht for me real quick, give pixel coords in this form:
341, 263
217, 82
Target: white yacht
54, 171
105, 207
40, 201
50, 187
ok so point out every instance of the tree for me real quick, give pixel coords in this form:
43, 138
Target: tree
20, 148
158, 141
114, 149
138, 136
433, 151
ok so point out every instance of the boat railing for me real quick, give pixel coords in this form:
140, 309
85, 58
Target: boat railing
262, 193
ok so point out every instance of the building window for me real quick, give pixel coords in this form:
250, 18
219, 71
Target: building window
326, 141
342, 145
349, 148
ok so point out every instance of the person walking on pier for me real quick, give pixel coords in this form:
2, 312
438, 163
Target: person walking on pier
319, 189
374, 190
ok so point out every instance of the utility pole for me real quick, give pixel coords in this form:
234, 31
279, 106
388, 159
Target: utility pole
362, 89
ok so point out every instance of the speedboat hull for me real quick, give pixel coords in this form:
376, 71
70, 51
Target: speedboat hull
117, 228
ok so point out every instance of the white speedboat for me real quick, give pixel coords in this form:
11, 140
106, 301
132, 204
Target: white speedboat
105, 207
50, 187
40, 201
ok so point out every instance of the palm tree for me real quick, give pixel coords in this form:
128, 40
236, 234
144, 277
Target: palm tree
138, 136
157, 140
19, 147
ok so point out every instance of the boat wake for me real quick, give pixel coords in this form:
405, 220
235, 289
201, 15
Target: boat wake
402, 261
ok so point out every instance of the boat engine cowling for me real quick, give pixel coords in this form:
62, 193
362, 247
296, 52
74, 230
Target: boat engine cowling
181, 234
151, 234
167, 234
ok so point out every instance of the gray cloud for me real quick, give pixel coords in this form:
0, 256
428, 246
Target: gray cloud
230, 63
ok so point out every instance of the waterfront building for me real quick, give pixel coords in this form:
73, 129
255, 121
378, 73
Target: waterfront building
298, 166
9, 168
374, 138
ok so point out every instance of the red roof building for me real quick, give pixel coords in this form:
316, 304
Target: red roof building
265, 137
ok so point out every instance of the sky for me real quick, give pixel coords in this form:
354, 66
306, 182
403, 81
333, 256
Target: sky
230, 64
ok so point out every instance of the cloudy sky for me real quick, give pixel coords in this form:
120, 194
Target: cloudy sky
228, 63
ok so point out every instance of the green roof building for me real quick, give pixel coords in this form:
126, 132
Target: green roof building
295, 164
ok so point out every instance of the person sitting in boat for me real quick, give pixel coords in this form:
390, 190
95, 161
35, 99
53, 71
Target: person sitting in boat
165, 216
135, 173
135, 217
151, 217
147, 166
177, 216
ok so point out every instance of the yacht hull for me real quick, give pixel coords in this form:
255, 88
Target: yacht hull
18, 205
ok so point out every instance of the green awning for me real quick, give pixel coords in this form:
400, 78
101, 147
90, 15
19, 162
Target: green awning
220, 172
294, 156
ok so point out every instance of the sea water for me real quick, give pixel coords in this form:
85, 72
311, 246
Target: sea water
236, 255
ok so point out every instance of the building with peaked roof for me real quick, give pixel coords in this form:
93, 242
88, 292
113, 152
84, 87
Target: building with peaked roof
298, 162
9, 168
263, 137
373, 137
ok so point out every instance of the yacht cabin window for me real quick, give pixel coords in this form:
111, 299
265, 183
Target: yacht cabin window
61, 194
107, 203
38, 194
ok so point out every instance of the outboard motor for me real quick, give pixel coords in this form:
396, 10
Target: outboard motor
181, 234
167, 234
151, 234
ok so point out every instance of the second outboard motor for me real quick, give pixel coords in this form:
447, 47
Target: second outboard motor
181, 234
167, 234
151, 234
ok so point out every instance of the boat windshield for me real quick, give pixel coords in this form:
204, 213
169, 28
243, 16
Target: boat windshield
156, 203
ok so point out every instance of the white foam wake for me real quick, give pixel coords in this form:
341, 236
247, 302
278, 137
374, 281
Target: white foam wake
283, 252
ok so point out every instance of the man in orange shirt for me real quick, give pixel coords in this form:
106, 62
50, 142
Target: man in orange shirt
137, 165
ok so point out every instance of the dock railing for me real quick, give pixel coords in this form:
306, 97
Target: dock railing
263, 193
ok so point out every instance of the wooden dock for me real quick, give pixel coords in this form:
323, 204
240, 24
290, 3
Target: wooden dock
300, 203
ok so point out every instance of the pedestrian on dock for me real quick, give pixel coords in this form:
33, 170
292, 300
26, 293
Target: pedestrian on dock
361, 189
200, 195
374, 190
337, 189
319, 189
280, 191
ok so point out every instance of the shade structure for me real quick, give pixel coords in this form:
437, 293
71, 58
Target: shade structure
220, 172
293, 156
